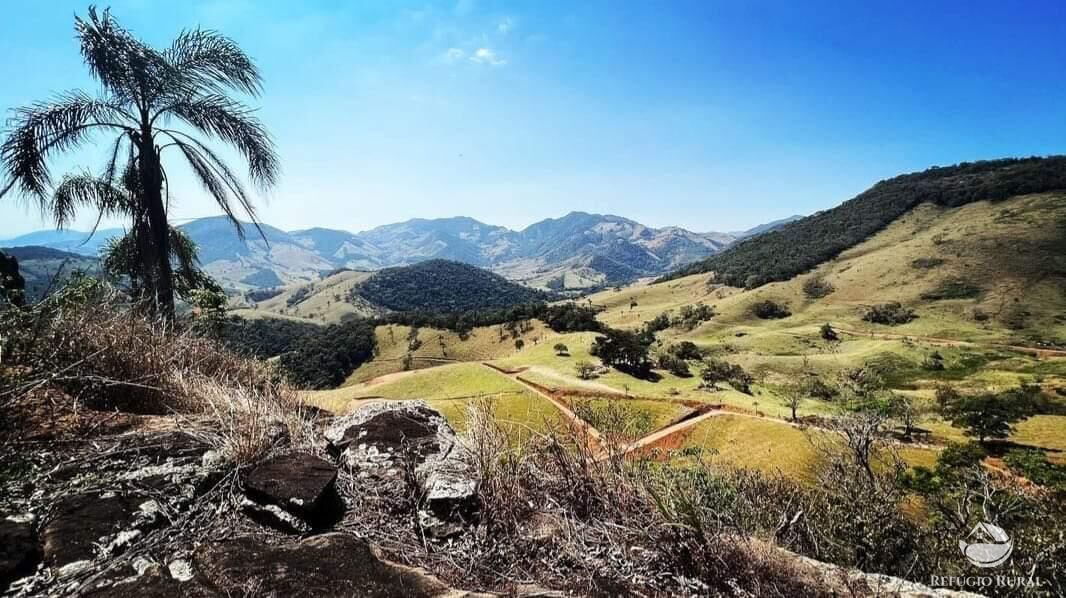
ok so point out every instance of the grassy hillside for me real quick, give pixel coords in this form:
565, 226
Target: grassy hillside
435, 347
326, 300
989, 272
799, 246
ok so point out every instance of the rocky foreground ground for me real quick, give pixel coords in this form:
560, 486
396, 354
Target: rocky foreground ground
164, 514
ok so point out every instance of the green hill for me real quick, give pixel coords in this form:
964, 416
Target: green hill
442, 286
801, 245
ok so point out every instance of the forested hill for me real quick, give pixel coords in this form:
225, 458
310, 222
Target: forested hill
443, 286
805, 243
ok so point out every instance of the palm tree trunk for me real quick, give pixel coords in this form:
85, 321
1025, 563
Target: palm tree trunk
156, 260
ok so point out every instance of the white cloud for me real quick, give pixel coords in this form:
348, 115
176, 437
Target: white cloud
505, 26
454, 55
487, 56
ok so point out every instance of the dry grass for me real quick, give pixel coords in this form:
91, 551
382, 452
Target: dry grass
597, 528
245, 423
104, 355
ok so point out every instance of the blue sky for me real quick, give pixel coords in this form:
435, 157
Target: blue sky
707, 115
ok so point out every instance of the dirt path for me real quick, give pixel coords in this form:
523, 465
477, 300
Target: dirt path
665, 433
595, 440
947, 342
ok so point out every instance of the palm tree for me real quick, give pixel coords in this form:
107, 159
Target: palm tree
151, 101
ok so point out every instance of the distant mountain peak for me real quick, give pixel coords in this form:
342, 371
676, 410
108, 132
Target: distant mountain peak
579, 249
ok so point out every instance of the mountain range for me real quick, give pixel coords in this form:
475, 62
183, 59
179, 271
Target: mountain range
578, 250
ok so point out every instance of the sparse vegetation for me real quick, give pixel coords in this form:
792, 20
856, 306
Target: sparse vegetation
953, 289
889, 314
769, 309
584, 369
716, 371
817, 287
927, 263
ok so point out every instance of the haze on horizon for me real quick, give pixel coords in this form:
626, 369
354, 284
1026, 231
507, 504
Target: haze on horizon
709, 116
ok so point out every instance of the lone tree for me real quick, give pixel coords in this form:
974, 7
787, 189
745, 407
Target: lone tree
151, 101
561, 349
990, 415
584, 369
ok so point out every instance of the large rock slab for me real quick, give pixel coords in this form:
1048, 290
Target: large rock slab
19, 553
383, 442
300, 483
335, 564
82, 523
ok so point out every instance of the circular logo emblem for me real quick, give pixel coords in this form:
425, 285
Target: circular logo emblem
987, 546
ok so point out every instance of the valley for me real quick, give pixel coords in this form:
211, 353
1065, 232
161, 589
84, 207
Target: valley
973, 353
777, 307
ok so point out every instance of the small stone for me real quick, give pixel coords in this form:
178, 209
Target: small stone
213, 460
181, 570
143, 566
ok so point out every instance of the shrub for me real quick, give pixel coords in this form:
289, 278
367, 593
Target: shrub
691, 316
934, 362
926, 263
889, 314
1034, 465
685, 350
827, 333
674, 365
952, 289
1016, 317
584, 369
814, 386
716, 371
769, 310
817, 287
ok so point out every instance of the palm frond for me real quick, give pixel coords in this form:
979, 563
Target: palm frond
86, 190
232, 181
211, 183
235, 124
125, 66
209, 60
46, 127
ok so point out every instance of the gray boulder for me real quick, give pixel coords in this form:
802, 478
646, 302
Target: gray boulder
396, 444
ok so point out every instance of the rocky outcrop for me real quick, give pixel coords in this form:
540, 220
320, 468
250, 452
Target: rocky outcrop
396, 445
333, 564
